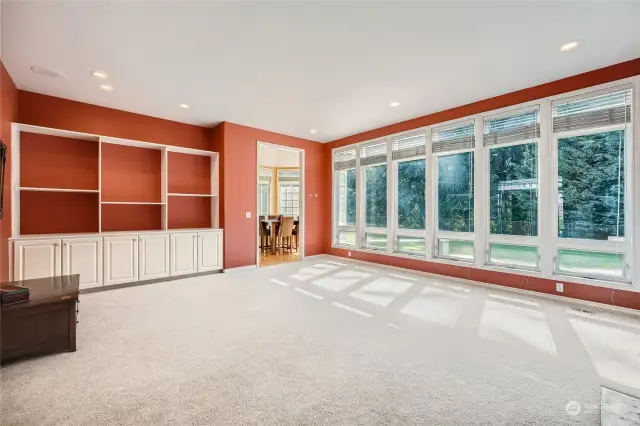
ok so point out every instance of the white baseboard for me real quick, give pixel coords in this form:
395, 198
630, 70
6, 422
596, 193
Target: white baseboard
240, 268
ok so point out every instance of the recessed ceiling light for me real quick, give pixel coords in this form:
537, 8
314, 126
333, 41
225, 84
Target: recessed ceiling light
185, 106
313, 131
47, 72
569, 46
99, 74
106, 88
394, 104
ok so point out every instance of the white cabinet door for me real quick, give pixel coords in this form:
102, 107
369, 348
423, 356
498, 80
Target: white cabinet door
120, 259
154, 256
83, 256
184, 250
36, 259
209, 251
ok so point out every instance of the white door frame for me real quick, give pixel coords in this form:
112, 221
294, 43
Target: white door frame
301, 217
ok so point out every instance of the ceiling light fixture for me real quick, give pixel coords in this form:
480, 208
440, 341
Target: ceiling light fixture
47, 72
569, 46
106, 88
313, 131
99, 74
394, 104
185, 106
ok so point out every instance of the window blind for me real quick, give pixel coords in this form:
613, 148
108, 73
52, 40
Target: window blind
265, 179
344, 160
595, 111
373, 153
407, 146
288, 175
453, 138
512, 128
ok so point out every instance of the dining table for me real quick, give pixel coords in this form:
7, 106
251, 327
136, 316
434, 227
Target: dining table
273, 225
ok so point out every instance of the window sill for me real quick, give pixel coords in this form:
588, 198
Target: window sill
615, 285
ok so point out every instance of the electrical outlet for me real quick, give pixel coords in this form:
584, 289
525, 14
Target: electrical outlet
247, 215
559, 287
349, 253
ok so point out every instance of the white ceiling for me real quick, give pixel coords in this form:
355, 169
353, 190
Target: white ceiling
290, 67
272, 156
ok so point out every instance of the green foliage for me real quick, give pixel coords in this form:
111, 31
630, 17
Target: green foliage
513, 190
375, 180
411, 190
591, 169
455, 192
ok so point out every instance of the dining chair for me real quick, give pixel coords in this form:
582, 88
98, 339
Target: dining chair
285, 233
264, 237
296, 227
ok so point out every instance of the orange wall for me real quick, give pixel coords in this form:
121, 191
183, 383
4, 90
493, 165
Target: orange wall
240, 191
58, 113
623, 298
8, 114
54, 162
131, 174
576, 82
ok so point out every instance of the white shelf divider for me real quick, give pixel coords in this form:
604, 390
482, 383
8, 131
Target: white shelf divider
133, 202
180, 194
30, 188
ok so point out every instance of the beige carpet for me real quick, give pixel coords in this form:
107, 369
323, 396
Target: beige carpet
326, 342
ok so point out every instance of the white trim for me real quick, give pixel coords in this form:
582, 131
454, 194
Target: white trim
239, 268
30, 188
547, 204
302, 196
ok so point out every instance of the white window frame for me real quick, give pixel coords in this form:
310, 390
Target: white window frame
601, 246
396, 230
280, 199
449, 235
519, 240
362, 197
337, 228
547, 205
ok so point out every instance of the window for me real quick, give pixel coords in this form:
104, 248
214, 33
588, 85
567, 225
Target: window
264, 192
455, 249
289, 192
344, 166
263, 204
289, 199
591, 135
373, 161
455, 192
453, 148
409, 162
512, 140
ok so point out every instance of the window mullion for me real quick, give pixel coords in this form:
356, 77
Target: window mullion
392, 186
429, 210
360, 199
480, 193
547, 194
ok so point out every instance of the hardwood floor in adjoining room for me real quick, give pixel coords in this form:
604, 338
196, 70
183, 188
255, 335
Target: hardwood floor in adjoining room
270, 259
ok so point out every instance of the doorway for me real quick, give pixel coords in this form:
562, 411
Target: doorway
280, 204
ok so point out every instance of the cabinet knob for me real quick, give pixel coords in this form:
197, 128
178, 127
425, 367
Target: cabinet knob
56, 244
134, 240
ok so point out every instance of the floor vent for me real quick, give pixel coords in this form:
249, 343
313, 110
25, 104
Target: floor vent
583, 311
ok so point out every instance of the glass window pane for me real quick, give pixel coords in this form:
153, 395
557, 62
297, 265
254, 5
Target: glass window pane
375, 187
513, 190
457, 249
411, 244
375, 241
591, 186
411, 189
455, 192
591, 263
347, 197
513, 255
347, 238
